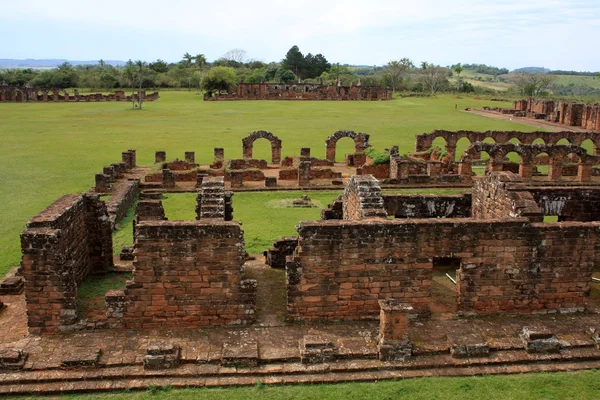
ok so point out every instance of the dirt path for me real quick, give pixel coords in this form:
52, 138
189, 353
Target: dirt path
538, 123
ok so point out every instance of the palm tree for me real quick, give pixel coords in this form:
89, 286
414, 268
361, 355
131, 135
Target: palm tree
129, 74
458, 69
139, 69
187, 59
200, 60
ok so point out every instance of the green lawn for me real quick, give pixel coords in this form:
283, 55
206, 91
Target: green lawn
548, 386
50, 149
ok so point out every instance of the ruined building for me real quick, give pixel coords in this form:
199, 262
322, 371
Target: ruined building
302, 91
22, 94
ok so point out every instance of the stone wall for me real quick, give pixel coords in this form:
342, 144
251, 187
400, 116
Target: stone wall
569, 204
362, 198
264, 91
188, 274
427, 205
503, 195
19, 94
122, 198
342, 268
61, 246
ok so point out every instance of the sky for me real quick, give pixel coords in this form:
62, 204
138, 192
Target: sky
510, 33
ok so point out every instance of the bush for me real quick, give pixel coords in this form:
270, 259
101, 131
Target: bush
378, 157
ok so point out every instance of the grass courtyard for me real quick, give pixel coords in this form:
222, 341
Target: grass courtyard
54, 148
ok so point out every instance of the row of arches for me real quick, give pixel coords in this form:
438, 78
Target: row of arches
528, 155
453, 141
361, 142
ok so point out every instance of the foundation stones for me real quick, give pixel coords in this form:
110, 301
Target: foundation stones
12, 359
13, 285
243, 353
162, 355
160, 157
539, 340
315, 349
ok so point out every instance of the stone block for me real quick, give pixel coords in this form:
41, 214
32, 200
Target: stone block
539, 340
12, 285
394, 350
270, 181
468, 345
315, 349
126, 254
240, 354
12, 359
162, 355
81, 357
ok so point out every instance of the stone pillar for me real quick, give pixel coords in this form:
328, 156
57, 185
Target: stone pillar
525, 170
237, 179
110, 171
304, 168
190, 157
496, 163
247, 150
103, 183
330, 152
584, 172
393, 326
160, 156
168, 178
305, 152
433, 168
465, 170
128, 157
451, 150
402, 171
219, 153
275, 154
554, 169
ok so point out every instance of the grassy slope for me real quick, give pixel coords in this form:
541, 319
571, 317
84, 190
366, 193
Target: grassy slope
559, 386
52, 149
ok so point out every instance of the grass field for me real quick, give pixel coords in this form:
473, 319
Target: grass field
51, 149
555, 386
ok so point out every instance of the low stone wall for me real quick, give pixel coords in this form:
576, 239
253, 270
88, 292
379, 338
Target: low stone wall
381, 171
247, 163
122, 198
315, 173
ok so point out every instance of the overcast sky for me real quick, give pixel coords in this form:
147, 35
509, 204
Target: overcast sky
510, 33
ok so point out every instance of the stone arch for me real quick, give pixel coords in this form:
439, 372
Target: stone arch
248, 145
64, 94
361, 142
19, 96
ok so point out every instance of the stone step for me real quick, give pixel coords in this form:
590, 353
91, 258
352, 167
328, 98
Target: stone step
320, 376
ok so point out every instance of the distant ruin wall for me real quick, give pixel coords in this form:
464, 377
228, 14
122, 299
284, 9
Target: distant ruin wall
264, 91
21, 94
427, 205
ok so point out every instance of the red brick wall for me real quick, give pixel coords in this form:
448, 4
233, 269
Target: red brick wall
61, 246
188, 273
342, 268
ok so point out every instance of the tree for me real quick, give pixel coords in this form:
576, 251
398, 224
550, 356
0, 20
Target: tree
532, 85
187, 59
458, 69
140, 67
159, 66
395, 70
238, 56
200, 61
219, 78
128, 74
433, 77
315, 65
294, 61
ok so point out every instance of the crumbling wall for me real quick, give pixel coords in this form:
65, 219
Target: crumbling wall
503, 195
362, 198
427, 205
61, 246
569, 204
188, 274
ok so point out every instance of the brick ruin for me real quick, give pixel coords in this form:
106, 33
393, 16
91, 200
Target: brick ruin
561, 112
510, 262
22, 94
372, 258
299, 91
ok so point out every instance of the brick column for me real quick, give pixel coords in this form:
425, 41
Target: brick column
190, 157
554, 169
330, 152
305, 152
584, 172
160, 156
434, 168
304, 168
237, 179
275, 154
525, 170
168, 178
